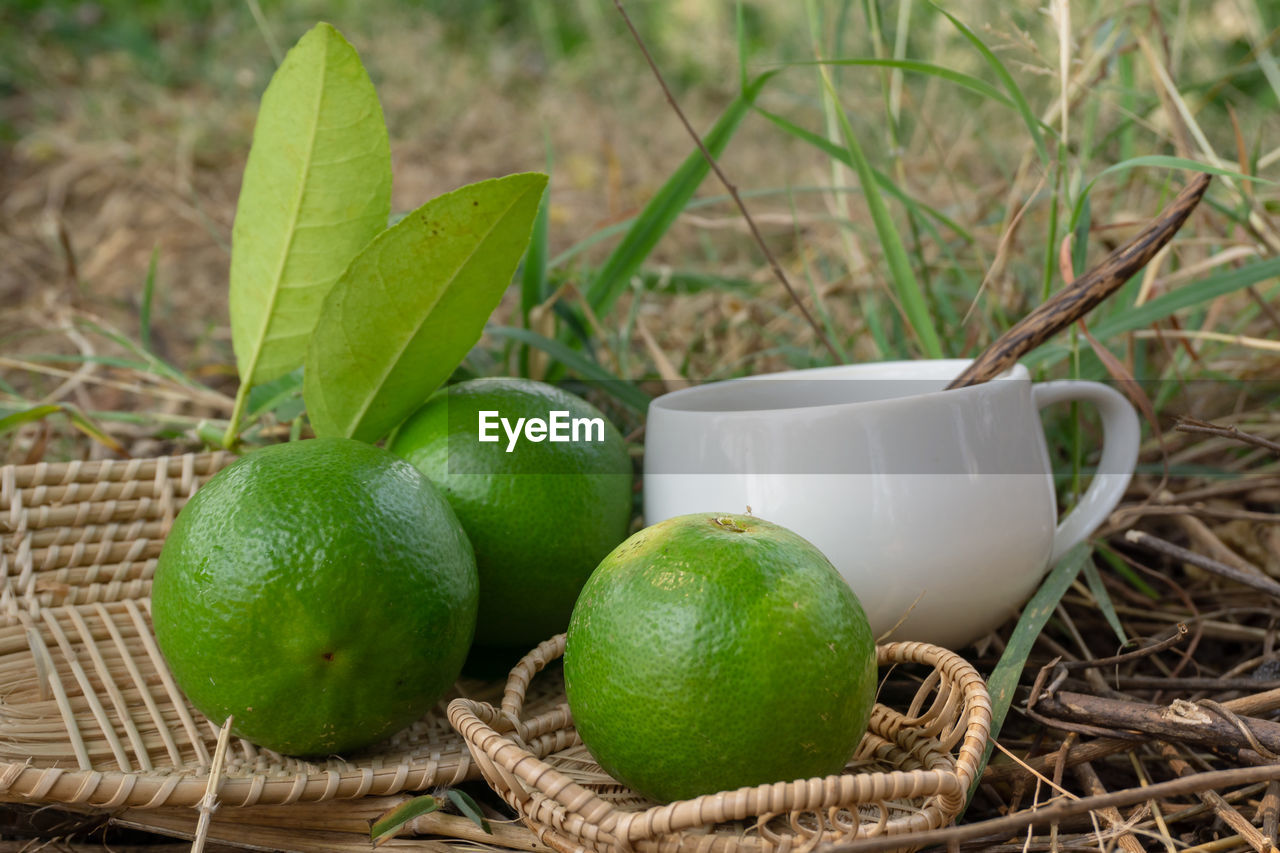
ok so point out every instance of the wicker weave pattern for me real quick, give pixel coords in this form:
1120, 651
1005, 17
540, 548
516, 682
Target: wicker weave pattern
910, 773
88, 711
80, 532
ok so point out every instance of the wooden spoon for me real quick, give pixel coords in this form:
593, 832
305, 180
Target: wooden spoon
1083, 295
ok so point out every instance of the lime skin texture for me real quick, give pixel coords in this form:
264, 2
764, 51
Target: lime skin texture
540, 517
321, 592
710, 652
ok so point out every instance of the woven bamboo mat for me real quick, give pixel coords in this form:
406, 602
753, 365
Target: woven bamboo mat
332, 827
910, 773
89, 714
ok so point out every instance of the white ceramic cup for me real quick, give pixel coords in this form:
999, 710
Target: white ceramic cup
936, 506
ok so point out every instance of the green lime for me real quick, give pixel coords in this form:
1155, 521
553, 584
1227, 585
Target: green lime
709, 652
540, 513
321, 592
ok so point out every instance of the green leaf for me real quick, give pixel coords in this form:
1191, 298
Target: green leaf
317, 189
1099, 591
1159, 161
385, 827
1003, 682
412, 303
625, 391
882, 180
78, 419
661, 211
282, 396
968, 81
148, 294
26, 416
1166, 304
534, 289
1163, 161
468, 808
1122, 569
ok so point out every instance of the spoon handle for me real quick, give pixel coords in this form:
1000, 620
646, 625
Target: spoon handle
1083, 295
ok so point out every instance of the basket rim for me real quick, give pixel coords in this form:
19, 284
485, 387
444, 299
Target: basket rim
112, 789
588, 817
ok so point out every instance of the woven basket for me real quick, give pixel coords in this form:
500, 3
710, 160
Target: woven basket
910, 773
89, 714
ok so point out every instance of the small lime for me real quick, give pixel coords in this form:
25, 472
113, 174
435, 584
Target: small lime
321, 592
540, 512
709, 652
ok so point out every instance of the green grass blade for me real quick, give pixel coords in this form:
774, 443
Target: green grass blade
148, 294
533, 273
882, 180
468, 808
1099, 591
1165, 305
1010, 85
282, 396
385, 827
78, 419
1122, 569
661, 211
702, 202
1202, 291
967, 81
1128, 104
1003, 681
905, 285
1160, 161
626, 391
151, 362
14, 420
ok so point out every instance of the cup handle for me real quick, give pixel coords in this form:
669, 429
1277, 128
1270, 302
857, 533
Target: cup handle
1120, 436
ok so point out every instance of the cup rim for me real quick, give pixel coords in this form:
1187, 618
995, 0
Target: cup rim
1017, 373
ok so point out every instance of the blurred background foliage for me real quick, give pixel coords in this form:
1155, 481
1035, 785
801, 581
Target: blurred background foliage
124, 125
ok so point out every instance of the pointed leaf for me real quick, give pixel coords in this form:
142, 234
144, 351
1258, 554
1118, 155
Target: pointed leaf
317, 189
1159, 161
1099, 591
282, 396
534, 287
625, 391
1004, 679
968, 81
413, 303
78, 419
390, 823
468, 808
12, 421
661, 211
905, 284
882, 180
